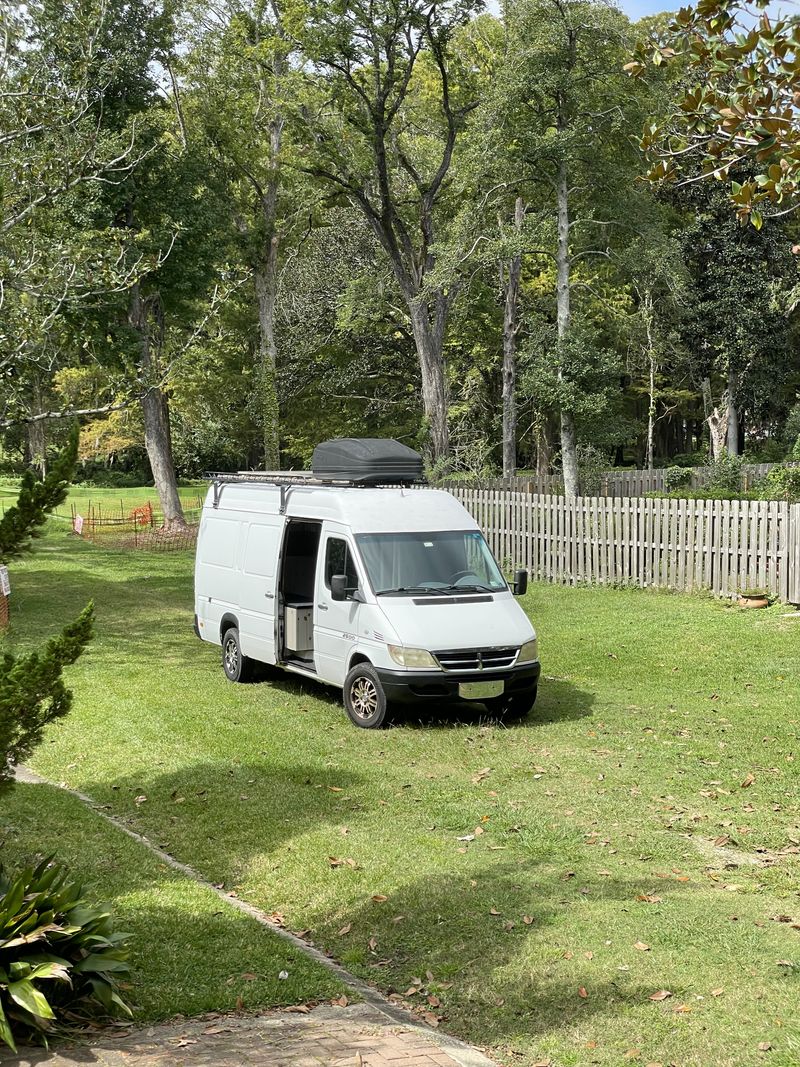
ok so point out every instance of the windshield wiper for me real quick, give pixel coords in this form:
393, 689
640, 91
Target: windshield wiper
469, 589
406, 589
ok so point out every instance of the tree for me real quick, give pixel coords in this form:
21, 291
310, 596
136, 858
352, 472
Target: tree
385, 106
734, 117
32, 690
558, 116
238, 75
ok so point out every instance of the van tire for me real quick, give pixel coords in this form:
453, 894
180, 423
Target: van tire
512, 707
364, 698
238, 668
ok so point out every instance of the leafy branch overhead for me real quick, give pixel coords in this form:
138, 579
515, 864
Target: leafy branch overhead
735, 114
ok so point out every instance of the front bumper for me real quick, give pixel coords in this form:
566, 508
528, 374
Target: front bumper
406, 686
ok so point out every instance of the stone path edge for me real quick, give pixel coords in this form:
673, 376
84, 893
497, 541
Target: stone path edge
465, 1055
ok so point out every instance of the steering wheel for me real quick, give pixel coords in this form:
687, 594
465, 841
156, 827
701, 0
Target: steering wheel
459, 574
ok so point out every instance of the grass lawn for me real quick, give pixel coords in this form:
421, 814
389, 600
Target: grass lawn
639, 830
108, 501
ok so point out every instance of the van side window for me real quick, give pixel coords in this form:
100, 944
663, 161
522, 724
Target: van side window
338, 560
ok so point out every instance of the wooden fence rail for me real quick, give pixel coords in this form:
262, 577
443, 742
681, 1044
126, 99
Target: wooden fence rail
720, 545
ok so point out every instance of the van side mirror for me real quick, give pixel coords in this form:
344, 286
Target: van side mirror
338, 587
520, 586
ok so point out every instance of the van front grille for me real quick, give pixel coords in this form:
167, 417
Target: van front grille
477, 659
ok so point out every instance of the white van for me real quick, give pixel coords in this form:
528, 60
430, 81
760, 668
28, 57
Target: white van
390, 594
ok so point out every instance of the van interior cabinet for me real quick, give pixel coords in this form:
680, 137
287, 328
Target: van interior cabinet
299, 628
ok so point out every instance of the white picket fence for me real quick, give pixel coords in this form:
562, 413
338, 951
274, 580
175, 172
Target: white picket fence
719, 545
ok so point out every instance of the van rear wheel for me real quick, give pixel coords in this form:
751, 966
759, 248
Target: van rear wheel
237, 667
364, 697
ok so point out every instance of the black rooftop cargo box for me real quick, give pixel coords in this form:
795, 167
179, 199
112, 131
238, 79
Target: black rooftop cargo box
367, 461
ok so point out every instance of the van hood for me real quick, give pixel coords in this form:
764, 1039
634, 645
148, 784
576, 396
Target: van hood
436, 623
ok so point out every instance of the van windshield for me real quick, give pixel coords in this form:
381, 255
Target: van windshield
411, 563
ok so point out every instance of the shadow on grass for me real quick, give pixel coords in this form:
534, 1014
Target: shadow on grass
501, 949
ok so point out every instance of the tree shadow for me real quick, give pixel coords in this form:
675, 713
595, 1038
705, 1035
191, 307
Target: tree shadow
494, 949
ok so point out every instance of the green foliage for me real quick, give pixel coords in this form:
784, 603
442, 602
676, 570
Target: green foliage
61, 961
783, 483
726, 474
25, 519
33, 693
735, 105
677, 478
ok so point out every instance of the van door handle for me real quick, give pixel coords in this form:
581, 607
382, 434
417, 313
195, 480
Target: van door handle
269, 596
322, 607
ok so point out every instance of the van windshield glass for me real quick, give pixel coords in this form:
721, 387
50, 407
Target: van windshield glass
413, 563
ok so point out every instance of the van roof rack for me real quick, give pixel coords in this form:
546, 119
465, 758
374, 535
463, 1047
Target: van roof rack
285, 480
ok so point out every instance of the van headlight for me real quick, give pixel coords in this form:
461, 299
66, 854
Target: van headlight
411, 657
529, 652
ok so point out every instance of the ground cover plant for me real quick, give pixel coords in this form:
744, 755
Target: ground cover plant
612, 880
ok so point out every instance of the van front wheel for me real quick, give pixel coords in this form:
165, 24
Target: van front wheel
238, 668
364, 697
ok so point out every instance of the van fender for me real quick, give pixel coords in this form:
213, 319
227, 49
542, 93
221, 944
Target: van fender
226, 622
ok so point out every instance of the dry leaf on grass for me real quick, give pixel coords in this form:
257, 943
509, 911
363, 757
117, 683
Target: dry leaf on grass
582, 992
660, 994
649, 898
345, 930
642, 946
764, 1046
379, 898
298, 1009
748, 781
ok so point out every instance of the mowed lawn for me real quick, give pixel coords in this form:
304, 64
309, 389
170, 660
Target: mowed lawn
636, 835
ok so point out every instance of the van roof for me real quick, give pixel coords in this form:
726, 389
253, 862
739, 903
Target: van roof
387, 510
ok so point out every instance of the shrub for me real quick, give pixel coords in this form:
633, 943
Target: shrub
726, 473
782, 483
60, 957
677, 478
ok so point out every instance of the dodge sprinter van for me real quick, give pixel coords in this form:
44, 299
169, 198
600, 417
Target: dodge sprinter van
389, 593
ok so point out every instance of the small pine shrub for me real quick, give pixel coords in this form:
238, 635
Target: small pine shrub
61, 960
726, 474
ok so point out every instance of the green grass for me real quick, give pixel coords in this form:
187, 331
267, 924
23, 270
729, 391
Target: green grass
109, 501
653, 711
189, 952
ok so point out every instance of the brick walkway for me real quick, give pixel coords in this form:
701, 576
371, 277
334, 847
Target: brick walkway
360, 1035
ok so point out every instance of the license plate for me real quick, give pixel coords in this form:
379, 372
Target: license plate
480, 690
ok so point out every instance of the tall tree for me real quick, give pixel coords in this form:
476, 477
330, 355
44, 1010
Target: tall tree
387, 102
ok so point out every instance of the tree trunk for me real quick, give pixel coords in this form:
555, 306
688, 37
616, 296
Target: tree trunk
266, 284
569, 443
733, 415
145, 317
651, 392
428, 328
717, 419
510, 330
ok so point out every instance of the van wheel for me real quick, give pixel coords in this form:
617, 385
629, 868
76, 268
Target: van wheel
238, 668
512, 707
364, 697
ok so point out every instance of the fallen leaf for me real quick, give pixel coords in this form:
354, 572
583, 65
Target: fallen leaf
764, 1046
748, 781
642, 946
434, 1001
717, 992
341, 1001
298, 1009
372, 944
140, 799
494, 911
649, 898
431, 1019
345, 930
478, 778
582, 992
527, 919
632, 1054
379, 898
248, 976
682, 1009
335, 788
661, 994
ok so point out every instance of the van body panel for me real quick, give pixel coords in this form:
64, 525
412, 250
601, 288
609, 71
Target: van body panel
257, 580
